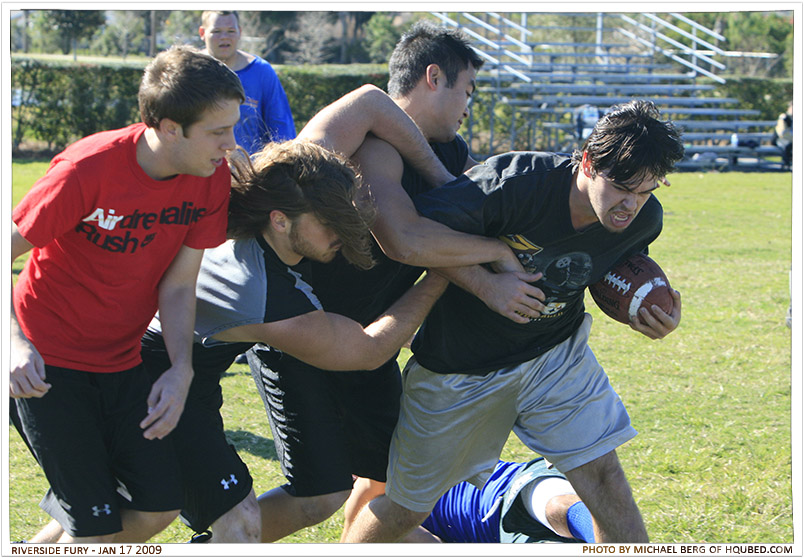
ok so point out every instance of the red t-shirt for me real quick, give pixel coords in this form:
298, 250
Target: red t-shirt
104, 234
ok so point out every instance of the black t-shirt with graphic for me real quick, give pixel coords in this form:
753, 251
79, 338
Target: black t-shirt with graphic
522, 198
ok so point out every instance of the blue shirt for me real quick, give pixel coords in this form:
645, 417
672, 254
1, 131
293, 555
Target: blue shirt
265, 115
462, 514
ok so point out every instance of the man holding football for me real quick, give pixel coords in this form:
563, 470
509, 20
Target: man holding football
476, 375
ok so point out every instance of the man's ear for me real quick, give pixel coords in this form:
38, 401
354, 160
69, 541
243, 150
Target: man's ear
586, 165
279, 222
433, 75
169, 129
201, 31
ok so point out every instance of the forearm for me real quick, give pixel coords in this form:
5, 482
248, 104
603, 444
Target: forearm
426, 243
169, 392
392, 124
474, 279
511, 294
396, 326
379, 341
16, 335
177, 316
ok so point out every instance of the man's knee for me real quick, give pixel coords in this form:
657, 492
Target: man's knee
319, 508
241, 524
399, 515
139, 526
156, 522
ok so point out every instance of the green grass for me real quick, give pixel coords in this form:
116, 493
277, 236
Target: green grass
712, 402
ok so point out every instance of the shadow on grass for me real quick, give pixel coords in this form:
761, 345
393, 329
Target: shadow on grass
246, 441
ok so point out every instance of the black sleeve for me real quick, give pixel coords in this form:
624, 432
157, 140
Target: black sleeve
460, 205
502, 196
452, 154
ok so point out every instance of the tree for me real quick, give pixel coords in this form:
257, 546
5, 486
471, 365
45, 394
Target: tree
770, 32
311, 39
154, 20
263, 33
381, 37
72, 25
351, 30
124, 32
181, 27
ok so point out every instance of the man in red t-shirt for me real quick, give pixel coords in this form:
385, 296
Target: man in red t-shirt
116, 229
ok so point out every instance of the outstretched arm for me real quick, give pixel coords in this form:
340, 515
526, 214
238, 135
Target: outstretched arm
334, 342
177, 314
344, 125
406, 236
509, 293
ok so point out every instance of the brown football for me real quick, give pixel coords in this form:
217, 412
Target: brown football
636, 282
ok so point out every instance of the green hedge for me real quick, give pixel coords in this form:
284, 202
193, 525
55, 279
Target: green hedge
64, 101
311, 88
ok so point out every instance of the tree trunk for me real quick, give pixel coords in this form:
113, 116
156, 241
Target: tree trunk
152, 48
25, 31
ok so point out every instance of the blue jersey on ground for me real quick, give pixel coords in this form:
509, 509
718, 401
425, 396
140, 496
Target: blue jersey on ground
460, 514
265, 115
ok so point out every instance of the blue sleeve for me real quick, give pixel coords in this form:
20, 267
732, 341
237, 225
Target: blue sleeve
275, 107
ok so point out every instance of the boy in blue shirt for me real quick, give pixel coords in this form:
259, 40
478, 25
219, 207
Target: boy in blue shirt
265, 115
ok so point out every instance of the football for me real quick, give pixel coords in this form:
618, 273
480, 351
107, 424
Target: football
636, 282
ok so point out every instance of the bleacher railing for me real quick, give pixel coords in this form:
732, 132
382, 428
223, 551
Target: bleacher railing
542, 72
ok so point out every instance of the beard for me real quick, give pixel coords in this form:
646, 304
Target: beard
301, 246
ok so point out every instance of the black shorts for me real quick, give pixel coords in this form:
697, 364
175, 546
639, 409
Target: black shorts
327, 425
85, 434
214, 478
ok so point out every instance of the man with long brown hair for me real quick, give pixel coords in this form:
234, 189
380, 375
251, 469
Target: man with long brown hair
295, 203
348, 431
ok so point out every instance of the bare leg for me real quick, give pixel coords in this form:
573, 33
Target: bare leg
138, 526
241, 524
420, 535
383, 520
102, 539
283, 514
602, 486
363, 492
556, 512
50, 533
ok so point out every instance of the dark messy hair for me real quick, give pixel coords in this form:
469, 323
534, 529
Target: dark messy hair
631, 144
298, 177
181, 83
427, 44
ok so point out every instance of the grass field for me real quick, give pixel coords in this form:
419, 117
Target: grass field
712, 402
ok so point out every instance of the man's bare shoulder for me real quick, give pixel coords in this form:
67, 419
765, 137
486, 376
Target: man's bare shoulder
373, 147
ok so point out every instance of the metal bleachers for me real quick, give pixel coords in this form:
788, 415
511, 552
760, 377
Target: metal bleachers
539, 74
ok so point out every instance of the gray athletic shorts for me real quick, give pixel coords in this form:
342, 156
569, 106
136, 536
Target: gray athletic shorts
452, 427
